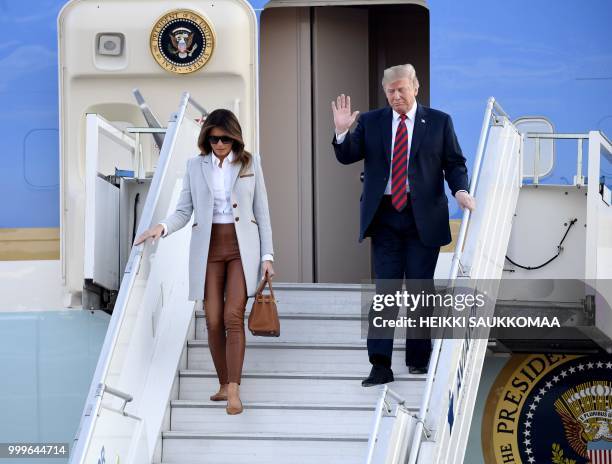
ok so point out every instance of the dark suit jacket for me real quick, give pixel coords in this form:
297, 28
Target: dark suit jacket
435, 155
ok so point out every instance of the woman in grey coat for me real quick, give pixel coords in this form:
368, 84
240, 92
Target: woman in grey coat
231, 241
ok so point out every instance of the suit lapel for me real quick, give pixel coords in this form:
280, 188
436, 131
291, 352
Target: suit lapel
235, 172
420, 128
206, 164
386, 132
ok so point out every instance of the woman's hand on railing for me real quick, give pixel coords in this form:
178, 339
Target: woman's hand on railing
266, 267
154, 233
465, 200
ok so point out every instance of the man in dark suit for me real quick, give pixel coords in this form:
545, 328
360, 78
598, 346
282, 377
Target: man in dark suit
408, 151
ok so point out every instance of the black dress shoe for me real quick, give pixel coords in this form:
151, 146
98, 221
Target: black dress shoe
378, 376
417, 370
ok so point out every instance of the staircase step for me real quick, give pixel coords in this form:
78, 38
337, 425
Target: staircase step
304, 328
256, 448
300, 388
295, 357
199, 313
302, 392
272, 417
325, 293
317, 299
304, 305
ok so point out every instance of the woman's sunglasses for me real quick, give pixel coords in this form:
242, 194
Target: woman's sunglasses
213, 139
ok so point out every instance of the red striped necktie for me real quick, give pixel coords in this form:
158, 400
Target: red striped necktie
399, 166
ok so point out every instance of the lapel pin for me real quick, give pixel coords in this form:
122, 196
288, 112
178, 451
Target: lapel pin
423, 121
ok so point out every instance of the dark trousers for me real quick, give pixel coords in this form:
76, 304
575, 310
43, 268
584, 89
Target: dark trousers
399, 254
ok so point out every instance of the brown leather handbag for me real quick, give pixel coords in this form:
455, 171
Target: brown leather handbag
263, 320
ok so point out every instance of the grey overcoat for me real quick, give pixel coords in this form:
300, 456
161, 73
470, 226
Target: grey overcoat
251, 218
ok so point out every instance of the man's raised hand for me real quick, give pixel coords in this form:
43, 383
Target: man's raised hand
343, 118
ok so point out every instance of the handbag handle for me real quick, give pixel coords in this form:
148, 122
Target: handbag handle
262, 286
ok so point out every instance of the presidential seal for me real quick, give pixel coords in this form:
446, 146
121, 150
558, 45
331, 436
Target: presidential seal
182, 41
550, 409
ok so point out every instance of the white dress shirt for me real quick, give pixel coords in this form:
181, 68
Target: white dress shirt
222, 175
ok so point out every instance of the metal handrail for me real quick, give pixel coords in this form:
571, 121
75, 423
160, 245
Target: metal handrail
484, 133
198, 107
547, 136
138, 163
492, 106
380, 406
126, 397
492, 111
111, 130
94, 398
146, 130
607, 141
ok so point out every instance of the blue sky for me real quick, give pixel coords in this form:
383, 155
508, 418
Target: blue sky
549, 58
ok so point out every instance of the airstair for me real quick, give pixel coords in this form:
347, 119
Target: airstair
148, 401
438, 432
302, 393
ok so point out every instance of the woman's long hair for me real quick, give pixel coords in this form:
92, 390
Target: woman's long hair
227, 121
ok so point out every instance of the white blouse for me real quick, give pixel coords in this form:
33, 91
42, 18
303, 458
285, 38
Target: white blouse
223, 173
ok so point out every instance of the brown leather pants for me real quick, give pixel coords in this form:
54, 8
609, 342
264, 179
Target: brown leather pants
225, 298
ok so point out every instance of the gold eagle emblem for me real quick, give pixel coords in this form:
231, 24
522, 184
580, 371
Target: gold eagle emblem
182, 41
586, 414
